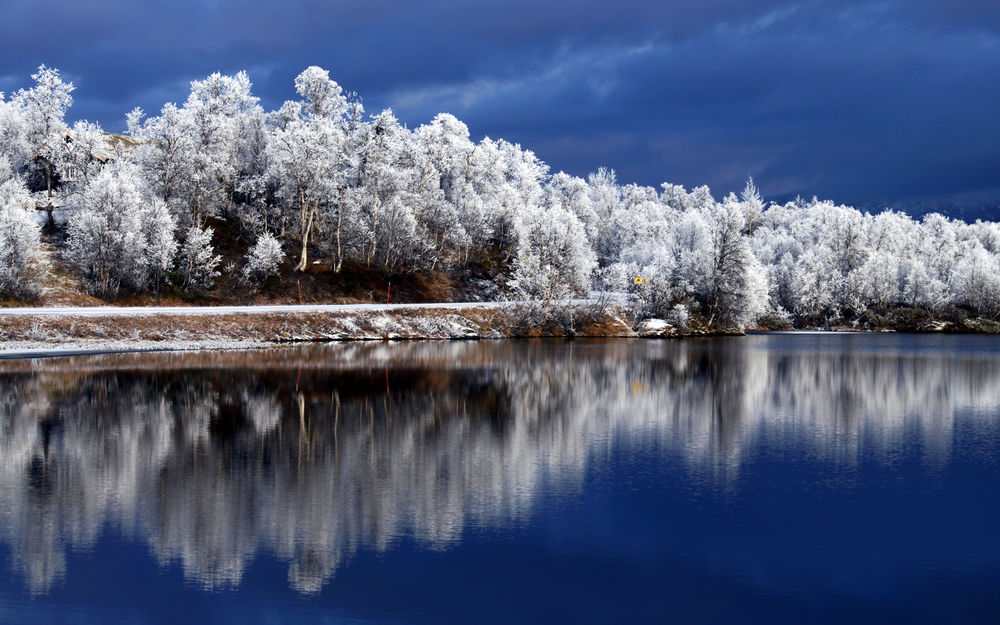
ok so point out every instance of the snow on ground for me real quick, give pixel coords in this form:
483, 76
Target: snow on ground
654, 327
41, 349
48, 331
74, 331
122, 311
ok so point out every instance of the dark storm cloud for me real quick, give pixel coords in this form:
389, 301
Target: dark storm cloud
859, 101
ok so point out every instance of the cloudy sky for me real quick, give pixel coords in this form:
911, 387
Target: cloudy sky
860, 101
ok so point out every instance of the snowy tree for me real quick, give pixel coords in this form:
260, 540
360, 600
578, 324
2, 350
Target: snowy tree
382, 189
938, 247
19, 241
920, 287
158, 231
304, 151
452, 209
301, 156
120, 237
690, 247
197, 262
263, 259
679, 316
45, 104
521, 174
83, 153
753, 206
15, 148
309, 157
43, 108
555, 260
212, 113
323, 97
976, 281
605, 199
813, 287
734, 290
164, 152
196, 153
572, 194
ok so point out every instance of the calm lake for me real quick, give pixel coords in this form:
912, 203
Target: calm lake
804, 478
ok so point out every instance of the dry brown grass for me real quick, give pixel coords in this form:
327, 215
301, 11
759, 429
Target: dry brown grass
277, 327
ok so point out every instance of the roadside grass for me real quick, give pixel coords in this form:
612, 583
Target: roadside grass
289, 327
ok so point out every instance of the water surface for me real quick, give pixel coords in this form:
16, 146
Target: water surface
770, 478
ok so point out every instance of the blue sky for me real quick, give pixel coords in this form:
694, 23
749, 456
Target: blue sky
863, 102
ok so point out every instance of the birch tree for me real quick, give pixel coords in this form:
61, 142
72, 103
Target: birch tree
120, 237
20, 253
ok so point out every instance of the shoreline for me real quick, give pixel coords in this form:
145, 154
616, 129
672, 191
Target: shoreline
93, 331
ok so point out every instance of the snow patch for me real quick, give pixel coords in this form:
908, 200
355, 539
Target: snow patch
654, 327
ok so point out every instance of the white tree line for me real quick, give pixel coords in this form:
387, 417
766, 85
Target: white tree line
321, 180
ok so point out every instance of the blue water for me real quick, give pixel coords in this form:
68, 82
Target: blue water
771, 478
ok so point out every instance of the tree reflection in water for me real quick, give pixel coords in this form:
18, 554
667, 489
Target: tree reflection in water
314, 452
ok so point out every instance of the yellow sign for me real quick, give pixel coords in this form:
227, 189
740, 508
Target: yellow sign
638, 280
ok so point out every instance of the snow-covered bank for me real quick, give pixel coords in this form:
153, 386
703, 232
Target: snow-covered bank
39, 334
32, 333
94, 347
132, 311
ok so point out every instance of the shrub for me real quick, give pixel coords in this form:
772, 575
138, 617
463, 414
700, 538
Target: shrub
198, 262
263, 259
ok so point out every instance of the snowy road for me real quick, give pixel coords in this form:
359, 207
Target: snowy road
595, 297
130, 311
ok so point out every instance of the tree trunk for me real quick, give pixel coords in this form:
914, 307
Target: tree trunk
308, 217
340, 218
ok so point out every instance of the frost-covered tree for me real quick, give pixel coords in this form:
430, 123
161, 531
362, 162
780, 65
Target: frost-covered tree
195, 153
753, 206
921, 287
976, 281
263, 259
605, 200
305, 152
120, 237
43, 109
336, 186
212, 114
679, 316
83, 153
382, 188
521, 175
555, 260
164, 151
323, 97
20, 254
813, 287
15, 147
451, 209
197, 261
572, 194
45, 105
159, 232
690, 250
734, 290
